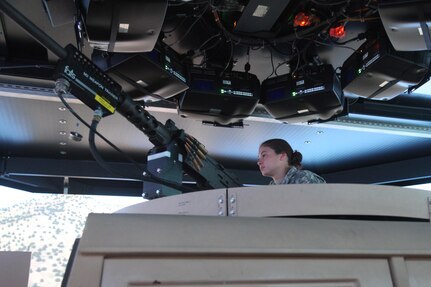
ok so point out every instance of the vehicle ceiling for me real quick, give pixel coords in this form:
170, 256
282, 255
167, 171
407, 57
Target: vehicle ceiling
376, 142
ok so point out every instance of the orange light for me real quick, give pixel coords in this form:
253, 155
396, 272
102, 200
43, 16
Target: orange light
337, 32
302, 20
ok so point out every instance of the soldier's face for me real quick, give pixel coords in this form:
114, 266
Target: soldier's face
270, 163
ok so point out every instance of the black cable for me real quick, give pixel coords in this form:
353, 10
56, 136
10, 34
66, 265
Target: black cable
95, 153
190, 27
361, 36
209, 40
230, 58
252, 41
272, 64
280, 51
217, 43
247, 65
213, 45
301, 54
336, 43
72, 111
207, 58
298, 55
334, 46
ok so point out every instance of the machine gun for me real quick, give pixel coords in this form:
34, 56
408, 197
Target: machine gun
174, 152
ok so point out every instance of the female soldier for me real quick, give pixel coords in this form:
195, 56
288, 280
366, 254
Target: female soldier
277, 160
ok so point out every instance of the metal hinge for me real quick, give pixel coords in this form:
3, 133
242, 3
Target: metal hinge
221, 205
233, 211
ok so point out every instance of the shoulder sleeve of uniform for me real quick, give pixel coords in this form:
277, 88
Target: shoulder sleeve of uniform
305, 176
314, 178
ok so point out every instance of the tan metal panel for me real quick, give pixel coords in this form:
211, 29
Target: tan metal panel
14, 268
419, 271
86, 271
330, 199
250, 271
209, 202
155, 234
295, 200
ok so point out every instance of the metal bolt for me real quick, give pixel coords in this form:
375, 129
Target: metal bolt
232, 212
75, 136
158, 192
220, 200
144, 173
232, 199
144, 195
220, 213
159, 170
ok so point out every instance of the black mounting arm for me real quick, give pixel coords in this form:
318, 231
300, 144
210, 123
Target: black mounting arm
174, 153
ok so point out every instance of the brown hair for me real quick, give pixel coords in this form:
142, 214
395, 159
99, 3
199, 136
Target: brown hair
280, 146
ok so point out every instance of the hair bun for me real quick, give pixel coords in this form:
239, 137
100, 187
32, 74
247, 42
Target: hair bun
296, 158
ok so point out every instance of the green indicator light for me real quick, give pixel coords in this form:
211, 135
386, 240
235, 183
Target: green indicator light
359, 71
222, 91
293, 94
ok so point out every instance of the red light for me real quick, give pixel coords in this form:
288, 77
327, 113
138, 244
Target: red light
337, 32
302, 20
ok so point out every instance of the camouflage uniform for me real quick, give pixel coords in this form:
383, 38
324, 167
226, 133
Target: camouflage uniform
295, 175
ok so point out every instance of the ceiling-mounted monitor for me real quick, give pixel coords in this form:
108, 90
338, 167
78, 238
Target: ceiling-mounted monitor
407, 23
128, 26
379, 72
223, 99
303, 97
151, 76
